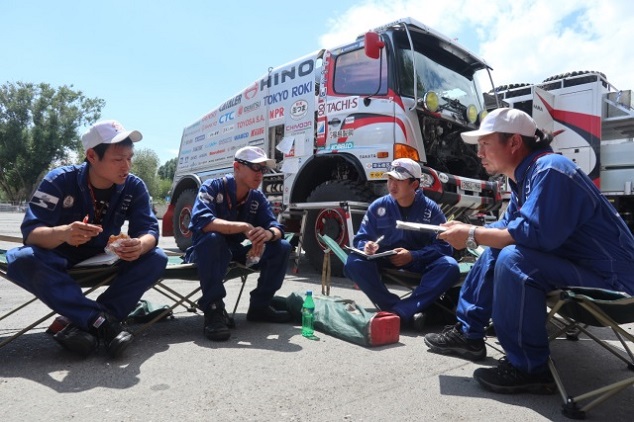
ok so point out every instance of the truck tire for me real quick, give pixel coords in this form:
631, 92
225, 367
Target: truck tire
575, 73
182, 217
331, 221
508, 86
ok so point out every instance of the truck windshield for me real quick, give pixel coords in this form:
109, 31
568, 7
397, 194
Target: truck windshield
451, 78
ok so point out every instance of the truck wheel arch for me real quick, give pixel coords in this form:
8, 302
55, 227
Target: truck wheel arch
319, 169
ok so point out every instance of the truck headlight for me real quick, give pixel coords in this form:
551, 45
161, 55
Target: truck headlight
471, 113
430, 100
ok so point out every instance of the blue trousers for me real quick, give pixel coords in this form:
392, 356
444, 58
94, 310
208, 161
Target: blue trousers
213, 253
44, 273
437, 277
510, 285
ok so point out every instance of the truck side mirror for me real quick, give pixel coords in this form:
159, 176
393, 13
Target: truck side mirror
373, 44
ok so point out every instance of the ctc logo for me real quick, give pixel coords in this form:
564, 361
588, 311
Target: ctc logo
226, 117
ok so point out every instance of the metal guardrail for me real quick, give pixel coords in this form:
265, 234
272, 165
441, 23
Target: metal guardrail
12, 208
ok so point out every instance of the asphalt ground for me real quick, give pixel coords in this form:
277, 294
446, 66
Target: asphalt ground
269, 372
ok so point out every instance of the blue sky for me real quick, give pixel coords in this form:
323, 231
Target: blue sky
160, 65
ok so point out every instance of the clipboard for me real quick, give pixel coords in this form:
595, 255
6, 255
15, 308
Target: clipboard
373, 256
420, 227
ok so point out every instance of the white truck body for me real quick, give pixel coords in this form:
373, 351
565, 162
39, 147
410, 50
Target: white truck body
596, 125
335, 119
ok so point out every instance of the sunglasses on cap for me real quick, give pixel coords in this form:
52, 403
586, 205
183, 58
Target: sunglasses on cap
254, 166
402, 170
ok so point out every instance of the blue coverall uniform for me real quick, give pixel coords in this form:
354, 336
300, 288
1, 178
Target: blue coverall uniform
431, 257
64, 197
566, 234
212, 251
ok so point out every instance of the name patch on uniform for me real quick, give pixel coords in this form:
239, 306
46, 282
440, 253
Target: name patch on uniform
44, 200
205, 198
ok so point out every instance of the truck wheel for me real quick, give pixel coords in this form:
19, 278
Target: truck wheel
331, 221
182, 217
575, 73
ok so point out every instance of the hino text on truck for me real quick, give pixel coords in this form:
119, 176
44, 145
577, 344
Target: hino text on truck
335, 119
595, 122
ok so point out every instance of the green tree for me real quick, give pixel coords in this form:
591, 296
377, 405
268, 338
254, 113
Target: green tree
144, 165
167, 170
38, 126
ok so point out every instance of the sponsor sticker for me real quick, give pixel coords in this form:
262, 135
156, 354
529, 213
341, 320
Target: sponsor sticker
299, 109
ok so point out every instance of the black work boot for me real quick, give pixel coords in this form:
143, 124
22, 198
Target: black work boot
267, 314
453, 342
76, 340
113, 335
507, 379
217, 322
417, 323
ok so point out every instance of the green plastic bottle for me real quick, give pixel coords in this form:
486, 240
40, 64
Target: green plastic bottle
308, 310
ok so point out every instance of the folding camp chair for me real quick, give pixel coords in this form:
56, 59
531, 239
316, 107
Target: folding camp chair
573, 309
404, 278
92, 278
89, 277
177, 270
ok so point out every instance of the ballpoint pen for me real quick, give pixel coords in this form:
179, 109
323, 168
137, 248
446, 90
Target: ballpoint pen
379, 239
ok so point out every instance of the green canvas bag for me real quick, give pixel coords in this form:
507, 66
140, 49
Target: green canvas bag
345, 319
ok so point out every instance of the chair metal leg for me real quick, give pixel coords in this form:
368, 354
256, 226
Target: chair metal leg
50, 314
243, 279
24, 305
167, 311
175, 296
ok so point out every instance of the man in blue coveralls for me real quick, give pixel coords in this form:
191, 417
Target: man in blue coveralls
231, 218
558, 231
70, 218
418, 252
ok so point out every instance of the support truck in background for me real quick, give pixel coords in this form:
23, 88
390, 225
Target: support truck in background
595, 122
335, 119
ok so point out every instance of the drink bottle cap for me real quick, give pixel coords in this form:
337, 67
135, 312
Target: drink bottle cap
309, 292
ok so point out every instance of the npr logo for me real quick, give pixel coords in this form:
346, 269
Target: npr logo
276, 113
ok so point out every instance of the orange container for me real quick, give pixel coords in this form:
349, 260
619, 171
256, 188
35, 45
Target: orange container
384, 328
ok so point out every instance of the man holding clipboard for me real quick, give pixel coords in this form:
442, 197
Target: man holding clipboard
415, 251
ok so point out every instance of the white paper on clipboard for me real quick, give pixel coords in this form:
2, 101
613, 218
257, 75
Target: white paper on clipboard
421, 227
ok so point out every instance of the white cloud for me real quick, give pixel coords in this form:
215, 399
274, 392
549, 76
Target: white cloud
523, 40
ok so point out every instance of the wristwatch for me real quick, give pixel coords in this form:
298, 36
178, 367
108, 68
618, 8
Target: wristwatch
471, 242
273, 233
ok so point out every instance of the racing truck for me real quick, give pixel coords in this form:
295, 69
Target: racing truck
594, 126
335, 119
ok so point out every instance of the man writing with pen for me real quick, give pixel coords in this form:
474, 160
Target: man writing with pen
415, 251
70, 218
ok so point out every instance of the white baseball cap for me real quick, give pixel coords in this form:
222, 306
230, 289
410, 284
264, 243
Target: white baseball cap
108, 132
254, 155
502, 120
404, 168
